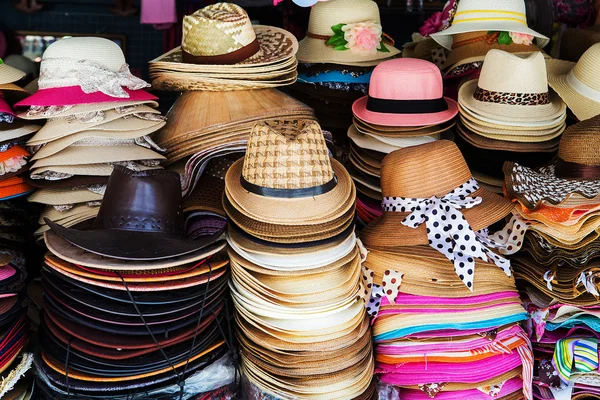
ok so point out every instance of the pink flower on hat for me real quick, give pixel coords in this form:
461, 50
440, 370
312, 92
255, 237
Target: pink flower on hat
521, 38
433, 24
364, 38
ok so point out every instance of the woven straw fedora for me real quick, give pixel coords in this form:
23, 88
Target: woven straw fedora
9, 74
288, 167
83, 70
577, 84
359, 17
512, 88
405, 92
432, 169
488, 15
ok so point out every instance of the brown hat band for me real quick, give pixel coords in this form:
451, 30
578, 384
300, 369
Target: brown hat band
510, 98
225, 59
570, 170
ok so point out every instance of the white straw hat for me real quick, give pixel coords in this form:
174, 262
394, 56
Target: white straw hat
489, 15
9, 74
512, 87
578, 84
324, 27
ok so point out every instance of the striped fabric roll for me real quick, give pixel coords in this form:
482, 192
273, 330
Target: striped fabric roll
580, 353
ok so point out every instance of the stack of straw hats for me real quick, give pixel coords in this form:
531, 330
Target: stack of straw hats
343, 43
98, 116
302, 329
445, 314
577, 83
221, 50
405, 107
511, 114
478, 26
558, 265
132, 307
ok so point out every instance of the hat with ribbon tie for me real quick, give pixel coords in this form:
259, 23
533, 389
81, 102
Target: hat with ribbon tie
83, 70
141, 218
508, 17
430, 197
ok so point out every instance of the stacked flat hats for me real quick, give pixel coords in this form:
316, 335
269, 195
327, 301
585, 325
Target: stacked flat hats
480, 26
296, 267
510, 113
97, 116
577, 83
344, 41
221, 50
405, 107
132, 307
445, 314
558, 265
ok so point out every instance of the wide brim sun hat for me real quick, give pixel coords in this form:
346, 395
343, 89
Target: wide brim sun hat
80, 110
9, 74
489, 15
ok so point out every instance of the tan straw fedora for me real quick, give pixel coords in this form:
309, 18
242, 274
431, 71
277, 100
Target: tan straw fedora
578, 84
346, 32
9, 74
512, 88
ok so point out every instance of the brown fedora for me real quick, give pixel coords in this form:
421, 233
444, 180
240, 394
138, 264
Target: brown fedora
141, 218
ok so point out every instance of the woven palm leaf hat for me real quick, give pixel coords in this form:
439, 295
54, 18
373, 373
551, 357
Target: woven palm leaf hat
222, 50
289, 168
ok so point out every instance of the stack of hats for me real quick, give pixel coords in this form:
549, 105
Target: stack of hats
343, 43
405, 107
302, 329
445, 314
510, 114
221, 50
478, 26
558, 265
98, 116
577, 83
132, 307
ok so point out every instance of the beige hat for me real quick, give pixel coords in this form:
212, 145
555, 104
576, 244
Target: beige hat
16, 130
332, 31
67, 171
59, 197
83, 110
9, 74
578, 84
512, 88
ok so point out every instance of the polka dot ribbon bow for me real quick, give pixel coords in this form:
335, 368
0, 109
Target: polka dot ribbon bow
447, 228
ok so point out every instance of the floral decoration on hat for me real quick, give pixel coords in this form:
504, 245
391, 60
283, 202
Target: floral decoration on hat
364, 38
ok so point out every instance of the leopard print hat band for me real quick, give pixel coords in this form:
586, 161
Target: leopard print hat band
514, 99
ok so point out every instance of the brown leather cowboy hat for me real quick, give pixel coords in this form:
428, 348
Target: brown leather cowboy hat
141, 218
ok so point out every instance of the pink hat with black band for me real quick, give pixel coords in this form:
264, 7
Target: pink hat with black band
84, 70
405, 92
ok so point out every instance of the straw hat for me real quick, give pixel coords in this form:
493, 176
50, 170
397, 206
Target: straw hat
577, 84
288, 167
83, 70
488, 15
9, 74
405, 92
335, 22
512, 88
576, 169
80, 110
420, 172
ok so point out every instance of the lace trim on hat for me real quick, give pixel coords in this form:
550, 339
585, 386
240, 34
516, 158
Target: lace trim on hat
67, 207
47, 111
7, 118
90, 76
12, 165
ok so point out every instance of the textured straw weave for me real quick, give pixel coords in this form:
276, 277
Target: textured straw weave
218, 29
580, 143
292, 156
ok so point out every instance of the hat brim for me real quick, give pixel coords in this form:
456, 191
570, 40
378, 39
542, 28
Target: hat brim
509, 113
10, 74
316, 51
388, 231
132, 245
359, 108
446, 39
85, 109
74, 95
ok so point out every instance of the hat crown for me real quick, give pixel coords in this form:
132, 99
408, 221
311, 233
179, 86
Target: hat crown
98, 50
148, 201
326, 14
512, 73
217, 29
287, 155
587, 69
477, 10
580, 143
432, 169
406, 79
